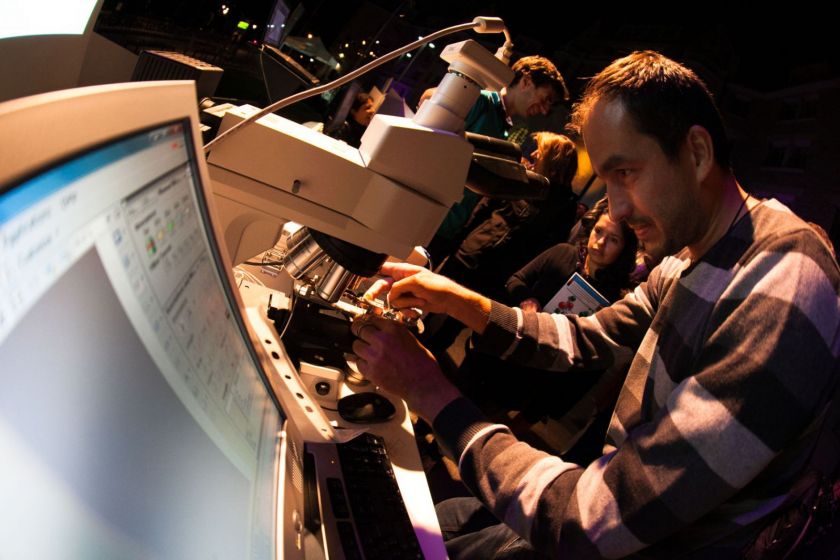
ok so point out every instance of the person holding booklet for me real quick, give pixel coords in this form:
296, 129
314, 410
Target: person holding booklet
600, 264
604, 257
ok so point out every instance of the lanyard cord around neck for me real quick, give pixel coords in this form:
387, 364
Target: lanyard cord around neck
737, 215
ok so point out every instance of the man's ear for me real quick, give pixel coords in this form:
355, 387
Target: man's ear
701, 150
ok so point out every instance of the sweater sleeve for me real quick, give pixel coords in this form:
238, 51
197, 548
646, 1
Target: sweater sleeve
559, 342
772, 345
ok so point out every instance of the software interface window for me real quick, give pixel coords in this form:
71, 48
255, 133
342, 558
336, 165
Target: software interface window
133, 421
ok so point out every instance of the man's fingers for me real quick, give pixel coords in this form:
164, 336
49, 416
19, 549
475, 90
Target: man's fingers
367, 327
398, 271
362, 365
411, 313
407, 301
379, 287
359, 346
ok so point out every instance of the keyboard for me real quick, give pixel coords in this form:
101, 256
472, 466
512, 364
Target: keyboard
370, 500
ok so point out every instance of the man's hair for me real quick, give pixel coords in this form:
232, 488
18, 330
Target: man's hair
558, 158
542, 72
663, 97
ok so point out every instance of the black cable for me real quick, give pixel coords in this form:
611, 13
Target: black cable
265, 263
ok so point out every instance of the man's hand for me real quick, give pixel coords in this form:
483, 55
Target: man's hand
530, 304
410, 286
389, 356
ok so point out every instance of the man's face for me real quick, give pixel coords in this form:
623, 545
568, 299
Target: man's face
657, 197
533, 100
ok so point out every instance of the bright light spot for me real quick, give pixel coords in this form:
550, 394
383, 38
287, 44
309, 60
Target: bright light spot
363, 42
408, 55
377, 41
225, 10
254, 26
309, 35
311, 60
371, 53
243, 25
419, 37
20, 18
341, 55
431, 45
338, 66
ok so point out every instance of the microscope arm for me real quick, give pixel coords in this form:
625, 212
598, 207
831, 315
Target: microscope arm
388, 196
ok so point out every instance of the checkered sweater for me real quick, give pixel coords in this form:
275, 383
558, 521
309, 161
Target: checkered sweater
732, 358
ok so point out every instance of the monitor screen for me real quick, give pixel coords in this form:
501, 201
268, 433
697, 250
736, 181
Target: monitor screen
134, 421
29, 17
275, 29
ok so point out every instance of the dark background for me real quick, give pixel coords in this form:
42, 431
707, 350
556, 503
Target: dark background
775, 72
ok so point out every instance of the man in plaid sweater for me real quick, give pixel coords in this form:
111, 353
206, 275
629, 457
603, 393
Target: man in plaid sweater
733, 343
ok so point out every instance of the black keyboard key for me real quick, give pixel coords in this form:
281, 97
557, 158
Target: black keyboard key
379, 513
348, 540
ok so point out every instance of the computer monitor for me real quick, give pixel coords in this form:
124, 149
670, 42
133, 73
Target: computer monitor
136, 416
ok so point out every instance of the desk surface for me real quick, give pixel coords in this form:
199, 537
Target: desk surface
399, 439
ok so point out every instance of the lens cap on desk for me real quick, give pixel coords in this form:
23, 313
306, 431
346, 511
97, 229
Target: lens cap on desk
365, 408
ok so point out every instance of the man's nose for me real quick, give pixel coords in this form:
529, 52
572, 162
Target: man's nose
619, 204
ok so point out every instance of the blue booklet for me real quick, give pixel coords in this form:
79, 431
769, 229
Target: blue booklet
576, 297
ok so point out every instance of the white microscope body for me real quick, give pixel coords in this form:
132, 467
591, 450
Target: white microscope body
361, 205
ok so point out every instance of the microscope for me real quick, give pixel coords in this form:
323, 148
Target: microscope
356, 206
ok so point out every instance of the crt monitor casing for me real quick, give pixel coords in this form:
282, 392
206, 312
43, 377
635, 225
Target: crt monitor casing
44, 129
41, 131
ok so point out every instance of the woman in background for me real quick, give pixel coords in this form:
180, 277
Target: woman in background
605, 256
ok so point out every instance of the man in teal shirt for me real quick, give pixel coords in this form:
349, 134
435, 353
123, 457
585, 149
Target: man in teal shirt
536, 87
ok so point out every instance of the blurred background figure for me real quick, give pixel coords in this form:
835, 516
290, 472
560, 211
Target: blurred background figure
358, 119
505, 234
502, 235
537, 87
